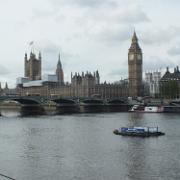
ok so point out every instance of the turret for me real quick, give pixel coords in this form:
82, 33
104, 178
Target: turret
134, 44
25, 57
59, 71
177, 69
71, 75
167, 69
32, 67
59, 62
97, 77
25, 65
134, 38
32, 55
39, 56
6, 86
135, 68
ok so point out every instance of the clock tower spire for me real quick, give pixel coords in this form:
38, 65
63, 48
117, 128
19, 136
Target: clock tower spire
135, 68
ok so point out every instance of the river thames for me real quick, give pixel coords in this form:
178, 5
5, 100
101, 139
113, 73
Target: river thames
83, 147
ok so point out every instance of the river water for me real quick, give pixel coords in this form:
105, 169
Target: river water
83, 147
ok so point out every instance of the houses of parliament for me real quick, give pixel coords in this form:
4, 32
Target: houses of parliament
84, 84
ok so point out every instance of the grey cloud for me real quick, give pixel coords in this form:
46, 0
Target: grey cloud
108, 77
3, 70
50, 52
41, 13
84, 3
155, 63
133, 16
87, 2
48, 47
108, 10
160, 36
117, 14
112, 25
120, 72
113, 36
174, 51
51, 13
103, 23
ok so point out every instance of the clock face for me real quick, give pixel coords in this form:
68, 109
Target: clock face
139, 56
131, 56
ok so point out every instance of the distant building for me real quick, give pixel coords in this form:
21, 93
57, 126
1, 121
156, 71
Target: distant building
59, 72
170, 84
88, 85
152, 80
85, 85
32, 67
6, 91
135, 68
168, 76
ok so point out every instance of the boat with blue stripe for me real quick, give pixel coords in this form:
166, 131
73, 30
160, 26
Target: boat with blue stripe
138, 131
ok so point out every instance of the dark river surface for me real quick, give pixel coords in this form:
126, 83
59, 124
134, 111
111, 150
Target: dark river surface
83, 147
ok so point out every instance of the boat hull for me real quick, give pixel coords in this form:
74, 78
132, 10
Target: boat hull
138, 134
147, 109
172, 109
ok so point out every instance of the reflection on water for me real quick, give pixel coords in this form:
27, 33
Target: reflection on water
10, 112
82, 146
135, 119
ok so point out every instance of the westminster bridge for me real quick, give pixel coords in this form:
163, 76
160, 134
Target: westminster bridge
39, 105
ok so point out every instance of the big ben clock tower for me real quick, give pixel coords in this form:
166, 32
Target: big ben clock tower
135, 68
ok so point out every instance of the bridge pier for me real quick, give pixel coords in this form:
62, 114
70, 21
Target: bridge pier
67, 109
18, 110
30, 110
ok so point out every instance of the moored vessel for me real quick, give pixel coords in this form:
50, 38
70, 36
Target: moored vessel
138, 131
148, 109
172, 107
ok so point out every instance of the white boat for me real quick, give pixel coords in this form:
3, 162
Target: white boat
149, 109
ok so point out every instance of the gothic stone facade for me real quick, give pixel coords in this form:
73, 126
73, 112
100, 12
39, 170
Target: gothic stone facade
170, 84
82, 86
59, 72
135, 68
152, 80
32, 67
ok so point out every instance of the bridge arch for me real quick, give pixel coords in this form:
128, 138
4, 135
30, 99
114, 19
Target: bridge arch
23, 101
93, 101
116, 101
63, 101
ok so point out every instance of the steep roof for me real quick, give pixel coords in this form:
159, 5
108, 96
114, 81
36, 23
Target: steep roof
171, 76
134, 44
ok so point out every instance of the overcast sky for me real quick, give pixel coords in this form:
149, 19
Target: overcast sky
89, 34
